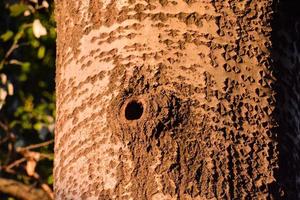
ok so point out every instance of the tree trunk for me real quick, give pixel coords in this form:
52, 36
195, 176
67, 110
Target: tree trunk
165, 100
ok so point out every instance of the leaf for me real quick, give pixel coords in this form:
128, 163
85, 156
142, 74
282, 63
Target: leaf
41, 52
34, 43
19, 35
3, 79
28, 104
38, 29
3, 94
52, 33
10, 89
25, 66
23, 77
30, 167
17, 9
38, 126
45, 4
50, 180
27, 13
31, 155
32, 159
7, 35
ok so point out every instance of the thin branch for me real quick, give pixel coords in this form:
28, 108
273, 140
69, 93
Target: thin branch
48, 156
9, 134
21, 190
5, 139
48, 190
11, 49
44, 186
3, 126
34, 146
15, 163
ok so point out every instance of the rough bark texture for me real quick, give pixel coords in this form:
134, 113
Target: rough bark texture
160, 99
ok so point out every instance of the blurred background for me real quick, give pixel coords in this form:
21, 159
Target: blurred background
27, 101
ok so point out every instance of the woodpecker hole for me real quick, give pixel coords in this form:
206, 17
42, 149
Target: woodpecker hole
134, 110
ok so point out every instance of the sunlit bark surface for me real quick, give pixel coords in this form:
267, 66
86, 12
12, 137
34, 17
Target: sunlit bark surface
165, 100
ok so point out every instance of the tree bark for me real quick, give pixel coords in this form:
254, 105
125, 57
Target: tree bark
165, 100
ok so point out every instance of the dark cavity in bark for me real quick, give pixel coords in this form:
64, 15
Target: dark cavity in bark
134, 110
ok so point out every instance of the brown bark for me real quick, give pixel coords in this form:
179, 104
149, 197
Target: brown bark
165, 100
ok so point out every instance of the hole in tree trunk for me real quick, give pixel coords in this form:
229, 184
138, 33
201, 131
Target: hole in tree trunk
134, 110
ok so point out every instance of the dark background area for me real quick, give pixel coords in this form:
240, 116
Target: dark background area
286, 68
27, 101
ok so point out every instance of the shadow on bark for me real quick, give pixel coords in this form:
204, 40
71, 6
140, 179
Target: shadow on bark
286, 67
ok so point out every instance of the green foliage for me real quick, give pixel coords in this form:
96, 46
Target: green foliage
17, 9
7, 36
27, 101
